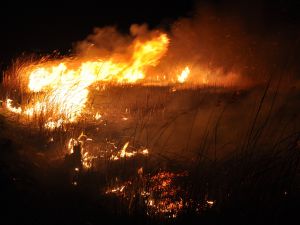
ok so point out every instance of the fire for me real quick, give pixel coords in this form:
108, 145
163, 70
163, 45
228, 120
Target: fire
210, 203
97, 116
57, 92
115, 189
53, 124
125, 154
184, 75
12, 108
161, 195
86, 157
62, 88
123, 151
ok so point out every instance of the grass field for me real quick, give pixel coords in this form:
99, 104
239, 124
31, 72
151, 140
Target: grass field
216, 155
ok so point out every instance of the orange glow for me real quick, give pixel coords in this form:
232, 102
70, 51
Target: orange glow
184, 75
58, 91
62, 87
123, 153
86, 157
12, 108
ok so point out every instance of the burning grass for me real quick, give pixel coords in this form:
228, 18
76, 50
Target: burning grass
121, 137
172, 159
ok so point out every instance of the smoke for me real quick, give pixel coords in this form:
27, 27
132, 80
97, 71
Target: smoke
220, 46
108, 42
236, 42
103, 42
227, 44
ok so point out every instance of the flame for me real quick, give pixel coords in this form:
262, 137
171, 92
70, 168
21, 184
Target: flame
62, 87
51, 125
125, 154
12, 108
161, 194
97, 116
86, 157
123, 151
184, 75
115, 189
210, 203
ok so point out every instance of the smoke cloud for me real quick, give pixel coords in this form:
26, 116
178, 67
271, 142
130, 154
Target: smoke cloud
227, 45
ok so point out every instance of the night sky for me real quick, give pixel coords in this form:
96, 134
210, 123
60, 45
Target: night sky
45, 27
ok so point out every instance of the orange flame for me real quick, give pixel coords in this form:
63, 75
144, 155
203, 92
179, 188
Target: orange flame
63, 87
184, 75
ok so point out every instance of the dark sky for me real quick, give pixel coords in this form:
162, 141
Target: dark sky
55, 25
50, 26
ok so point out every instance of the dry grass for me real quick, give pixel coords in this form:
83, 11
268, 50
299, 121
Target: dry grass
239, 148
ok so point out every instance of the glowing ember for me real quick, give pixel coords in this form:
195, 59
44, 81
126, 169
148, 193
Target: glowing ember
165, 195
116, 190
210, 203
162, 197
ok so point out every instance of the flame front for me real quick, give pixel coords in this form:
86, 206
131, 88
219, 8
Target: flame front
62, 87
